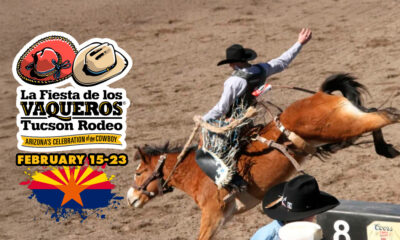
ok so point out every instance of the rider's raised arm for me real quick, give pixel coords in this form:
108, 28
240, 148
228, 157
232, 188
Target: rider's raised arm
279, 64
233, 87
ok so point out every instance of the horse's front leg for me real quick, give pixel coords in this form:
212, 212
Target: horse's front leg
211, 219
214, 216
214, 213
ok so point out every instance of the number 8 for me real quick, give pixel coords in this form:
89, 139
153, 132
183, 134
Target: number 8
339, 232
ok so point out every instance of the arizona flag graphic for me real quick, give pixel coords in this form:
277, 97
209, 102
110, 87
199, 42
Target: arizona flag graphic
74, 188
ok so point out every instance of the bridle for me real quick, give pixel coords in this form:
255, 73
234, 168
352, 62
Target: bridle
156, 175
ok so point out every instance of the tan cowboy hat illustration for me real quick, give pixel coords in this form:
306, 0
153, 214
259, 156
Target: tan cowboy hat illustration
96, 63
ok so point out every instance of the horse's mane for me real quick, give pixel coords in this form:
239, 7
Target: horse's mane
347, 85
158, 150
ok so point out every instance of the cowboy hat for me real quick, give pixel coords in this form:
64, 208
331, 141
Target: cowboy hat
47, 61
96, 63
300, 231
236, 53
297, 199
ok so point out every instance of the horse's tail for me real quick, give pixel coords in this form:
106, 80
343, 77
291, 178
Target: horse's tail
347, 85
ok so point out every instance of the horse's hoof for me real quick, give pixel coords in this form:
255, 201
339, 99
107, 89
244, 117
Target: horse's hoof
388, 151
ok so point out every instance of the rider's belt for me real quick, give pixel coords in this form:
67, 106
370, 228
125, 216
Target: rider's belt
298, 141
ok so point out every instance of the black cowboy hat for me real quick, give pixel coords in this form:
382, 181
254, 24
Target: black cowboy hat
297, 199
236, 53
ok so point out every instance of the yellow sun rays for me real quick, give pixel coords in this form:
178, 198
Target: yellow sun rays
85, 172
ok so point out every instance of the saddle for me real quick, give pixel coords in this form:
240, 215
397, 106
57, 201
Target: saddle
218, 171
222, 168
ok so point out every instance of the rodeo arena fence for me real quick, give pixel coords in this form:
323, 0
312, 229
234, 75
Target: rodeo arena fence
356, 220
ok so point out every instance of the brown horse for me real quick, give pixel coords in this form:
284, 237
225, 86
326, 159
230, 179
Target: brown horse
322, 119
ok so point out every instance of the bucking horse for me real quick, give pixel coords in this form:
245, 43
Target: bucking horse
322, 121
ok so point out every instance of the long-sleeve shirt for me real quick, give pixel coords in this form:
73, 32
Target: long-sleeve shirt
268, 232
235, 86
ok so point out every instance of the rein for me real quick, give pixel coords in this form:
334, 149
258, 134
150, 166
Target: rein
295, 88
182, 154
156, 175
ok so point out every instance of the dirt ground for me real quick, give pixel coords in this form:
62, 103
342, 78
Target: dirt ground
175, 46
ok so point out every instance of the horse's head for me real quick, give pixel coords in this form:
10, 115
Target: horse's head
148, 179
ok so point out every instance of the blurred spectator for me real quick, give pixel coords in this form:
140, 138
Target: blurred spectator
300, 231
296, 200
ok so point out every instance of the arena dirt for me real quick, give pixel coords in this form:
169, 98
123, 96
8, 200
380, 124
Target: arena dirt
175, 46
